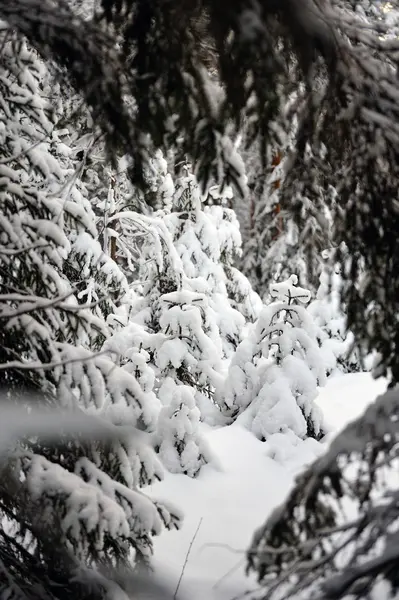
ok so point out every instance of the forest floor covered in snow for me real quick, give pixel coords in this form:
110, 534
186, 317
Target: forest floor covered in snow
234, 496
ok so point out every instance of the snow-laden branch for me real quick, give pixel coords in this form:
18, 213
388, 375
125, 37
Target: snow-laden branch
48, 423
17, 251
40, 366
41, 304
318, 533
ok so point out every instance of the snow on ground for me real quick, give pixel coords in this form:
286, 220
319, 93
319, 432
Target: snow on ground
347, 396
228, 502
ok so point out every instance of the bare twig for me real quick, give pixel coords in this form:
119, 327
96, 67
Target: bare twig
186, 559
225, 547
236, 566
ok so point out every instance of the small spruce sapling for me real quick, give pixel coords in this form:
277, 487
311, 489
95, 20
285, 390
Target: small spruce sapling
274, 376
181, 447
329, 314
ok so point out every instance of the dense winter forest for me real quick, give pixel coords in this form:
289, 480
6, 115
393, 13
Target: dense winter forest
199, 299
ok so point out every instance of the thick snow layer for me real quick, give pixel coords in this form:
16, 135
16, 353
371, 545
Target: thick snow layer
228, 501
346, 397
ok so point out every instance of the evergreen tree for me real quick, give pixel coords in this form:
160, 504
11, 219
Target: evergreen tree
68, 510
273, 377
329, 314
181, 447
209, 244
275, 246
189, 310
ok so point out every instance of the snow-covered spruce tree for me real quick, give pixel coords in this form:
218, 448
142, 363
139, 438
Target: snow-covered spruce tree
89, 266
179, 442
192, 243
164, 360
207, 238
265, 229
165, 338
328, 313
336, 535
273, 377
240, 293
64, 509
275, 247
107, 190
188, 308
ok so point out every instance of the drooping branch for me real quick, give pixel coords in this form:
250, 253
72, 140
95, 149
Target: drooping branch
309, 535
85, 52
